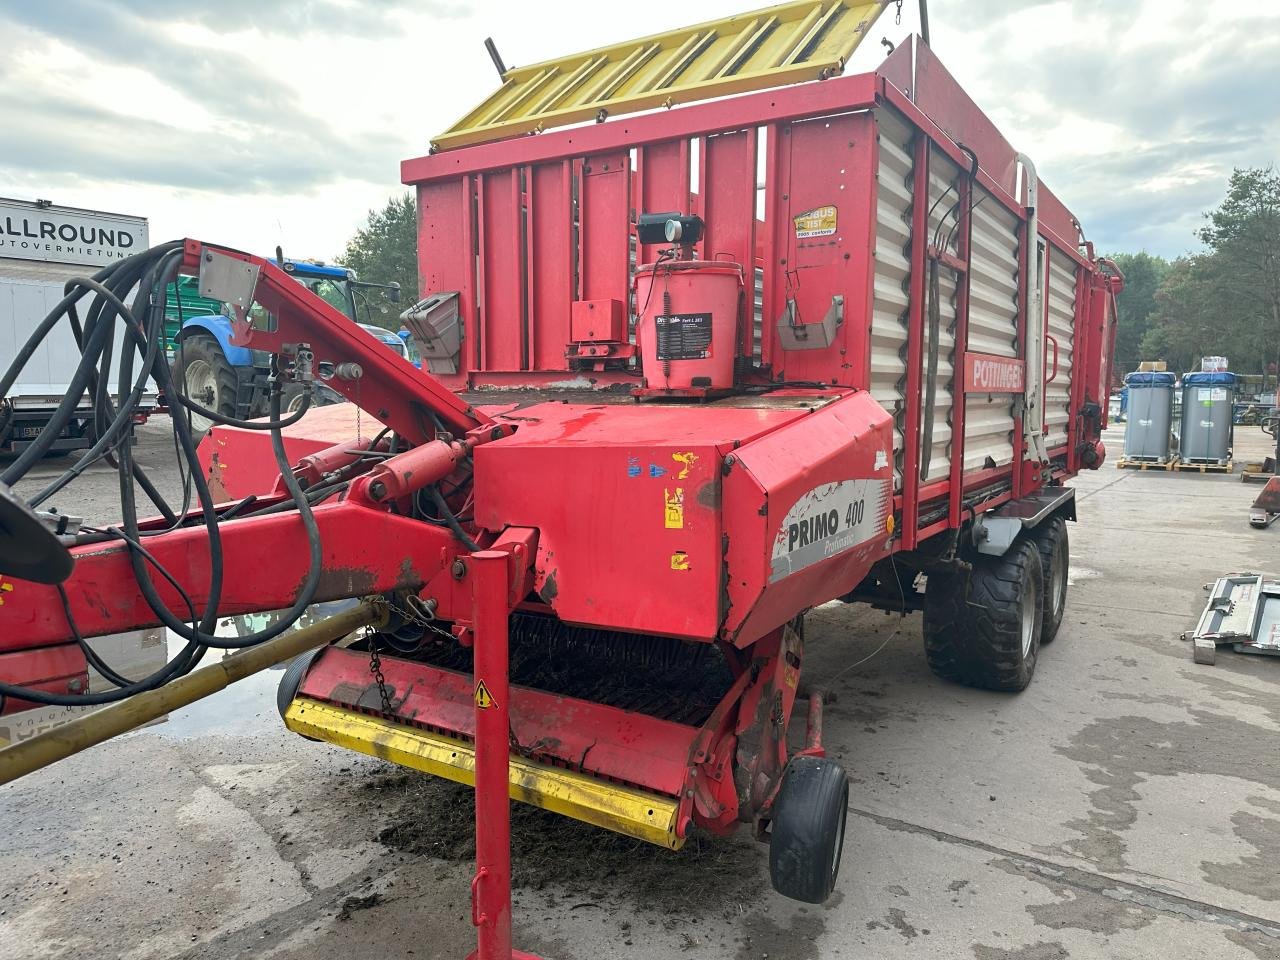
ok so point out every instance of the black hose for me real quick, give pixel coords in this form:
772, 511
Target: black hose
450, 520
149, 274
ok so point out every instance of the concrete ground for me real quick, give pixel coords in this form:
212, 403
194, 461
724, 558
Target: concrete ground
1127, 805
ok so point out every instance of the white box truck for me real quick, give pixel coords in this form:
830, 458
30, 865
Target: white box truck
42, 245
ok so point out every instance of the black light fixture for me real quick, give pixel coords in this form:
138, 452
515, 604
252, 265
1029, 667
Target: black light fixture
674, 227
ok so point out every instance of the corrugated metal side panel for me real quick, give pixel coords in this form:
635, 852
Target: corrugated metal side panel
757, 315
944, 209
993, 328
893, 268
1062, 313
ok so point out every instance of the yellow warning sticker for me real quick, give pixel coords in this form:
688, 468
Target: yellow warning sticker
679, 560
686, 461
484, 699
818, 222
673, 508
4, 588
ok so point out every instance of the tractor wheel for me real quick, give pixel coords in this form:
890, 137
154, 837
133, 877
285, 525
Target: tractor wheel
201, 370
808, 829
983, 628
291, 681
1050, 539
291, 399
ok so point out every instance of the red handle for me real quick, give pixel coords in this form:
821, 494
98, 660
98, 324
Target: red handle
477, 917
1053, 376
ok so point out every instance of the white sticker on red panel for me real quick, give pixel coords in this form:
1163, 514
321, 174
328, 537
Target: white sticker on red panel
829, 520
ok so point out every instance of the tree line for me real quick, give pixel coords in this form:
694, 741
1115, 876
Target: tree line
1224, 301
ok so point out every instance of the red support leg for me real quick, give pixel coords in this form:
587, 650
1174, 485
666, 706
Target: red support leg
491, 886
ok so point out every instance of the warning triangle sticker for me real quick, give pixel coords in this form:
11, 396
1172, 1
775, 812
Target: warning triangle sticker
484, 699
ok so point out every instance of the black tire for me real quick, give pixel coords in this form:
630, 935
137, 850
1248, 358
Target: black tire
1055, 562
291, 681
807, 839
290, 398
975, 627
221, 391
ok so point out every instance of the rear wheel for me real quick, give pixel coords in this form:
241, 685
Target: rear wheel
808, 829
982, 628
1055, 562
201, 370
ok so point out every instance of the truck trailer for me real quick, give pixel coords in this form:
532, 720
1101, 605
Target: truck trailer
758, 338
42, 245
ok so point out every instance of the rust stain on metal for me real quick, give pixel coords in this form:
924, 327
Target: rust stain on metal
214, 479
709, 495
409, 576
346, 693
549, 590
340, 582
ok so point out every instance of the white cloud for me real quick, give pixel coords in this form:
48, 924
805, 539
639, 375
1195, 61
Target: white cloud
253, 125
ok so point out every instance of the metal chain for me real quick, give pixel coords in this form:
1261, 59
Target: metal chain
897, 16
413, 617
375, 667
359, 436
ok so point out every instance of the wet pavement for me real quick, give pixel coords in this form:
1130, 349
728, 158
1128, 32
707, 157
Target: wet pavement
1126, 805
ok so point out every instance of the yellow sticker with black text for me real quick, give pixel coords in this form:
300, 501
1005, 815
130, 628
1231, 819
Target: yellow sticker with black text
673, 508
679, 560
818, 222
484, 699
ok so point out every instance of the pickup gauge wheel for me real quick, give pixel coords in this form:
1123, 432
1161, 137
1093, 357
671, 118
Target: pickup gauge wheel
291, 680
808, 829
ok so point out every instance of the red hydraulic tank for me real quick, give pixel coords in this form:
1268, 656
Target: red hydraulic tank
688, 326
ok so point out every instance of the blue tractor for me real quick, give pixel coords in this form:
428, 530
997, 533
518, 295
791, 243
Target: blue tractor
234, 380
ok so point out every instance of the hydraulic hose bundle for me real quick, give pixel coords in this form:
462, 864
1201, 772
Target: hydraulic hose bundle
132, 293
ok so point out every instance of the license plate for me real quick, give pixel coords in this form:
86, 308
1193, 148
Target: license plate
28, 433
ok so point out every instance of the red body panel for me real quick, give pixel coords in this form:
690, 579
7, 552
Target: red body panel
627, 502
54, 669
803, 529
239, 463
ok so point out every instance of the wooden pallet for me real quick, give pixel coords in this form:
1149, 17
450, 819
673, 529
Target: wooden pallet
1123, 464
1228, 467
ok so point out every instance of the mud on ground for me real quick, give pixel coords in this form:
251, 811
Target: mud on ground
436, 818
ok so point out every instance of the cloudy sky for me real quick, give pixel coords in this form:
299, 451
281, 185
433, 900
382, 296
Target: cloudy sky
256, 123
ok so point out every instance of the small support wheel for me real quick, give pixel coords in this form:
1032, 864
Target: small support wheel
808, 829
291, 681
982, 628
1055, 563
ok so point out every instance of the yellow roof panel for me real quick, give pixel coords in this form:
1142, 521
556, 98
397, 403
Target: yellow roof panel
787, 43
